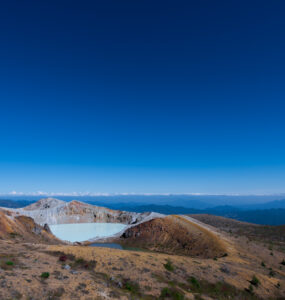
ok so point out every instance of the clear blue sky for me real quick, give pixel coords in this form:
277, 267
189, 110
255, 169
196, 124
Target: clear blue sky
142, 96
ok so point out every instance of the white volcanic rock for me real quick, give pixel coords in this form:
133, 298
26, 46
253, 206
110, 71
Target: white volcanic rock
44, 203
53, 211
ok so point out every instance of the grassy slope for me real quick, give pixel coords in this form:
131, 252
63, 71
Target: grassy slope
270, 235
100, 273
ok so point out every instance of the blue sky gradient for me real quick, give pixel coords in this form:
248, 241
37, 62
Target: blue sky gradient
142, 97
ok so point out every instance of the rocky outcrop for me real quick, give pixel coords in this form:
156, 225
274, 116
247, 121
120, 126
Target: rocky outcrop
53, 211
22, 228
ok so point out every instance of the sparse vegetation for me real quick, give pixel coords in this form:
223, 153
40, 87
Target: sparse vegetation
168, 266
14, 234
73, 262
255, 281
250, 289
45, 275
219, 290
63, 258
7, 262
270, 236
131, 286
118, 274
195, 285
171, 293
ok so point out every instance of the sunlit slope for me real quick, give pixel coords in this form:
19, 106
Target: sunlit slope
175, 235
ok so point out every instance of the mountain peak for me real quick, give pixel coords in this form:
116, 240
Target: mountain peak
45, 203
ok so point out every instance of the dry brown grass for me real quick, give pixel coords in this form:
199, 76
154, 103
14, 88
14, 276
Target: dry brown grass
101, 273
271, 235
148, 269
174, 235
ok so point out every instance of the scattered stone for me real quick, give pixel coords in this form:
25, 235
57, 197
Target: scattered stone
3, 283
145, 270
67, 267
225, 269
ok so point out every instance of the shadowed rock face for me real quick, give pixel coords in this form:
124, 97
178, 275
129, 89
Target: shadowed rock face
53, 211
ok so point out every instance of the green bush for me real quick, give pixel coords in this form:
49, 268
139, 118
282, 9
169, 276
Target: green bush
263, 264
9, 263
171, 293
132, 287
168, 266
195, 285
255, 281
45, 275
250, 289
283, 262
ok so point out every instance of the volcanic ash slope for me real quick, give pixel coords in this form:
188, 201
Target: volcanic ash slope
53, 211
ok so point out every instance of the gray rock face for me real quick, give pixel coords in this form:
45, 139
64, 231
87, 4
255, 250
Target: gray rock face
53, 211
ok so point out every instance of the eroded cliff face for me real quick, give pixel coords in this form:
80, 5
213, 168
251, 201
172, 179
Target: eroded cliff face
52, 211
22, 228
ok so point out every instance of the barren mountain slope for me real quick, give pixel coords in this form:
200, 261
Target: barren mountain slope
271, 235
193, 266
52, 211
174, 234
22, 228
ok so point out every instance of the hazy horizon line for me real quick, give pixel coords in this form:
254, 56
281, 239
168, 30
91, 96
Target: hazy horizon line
92, 194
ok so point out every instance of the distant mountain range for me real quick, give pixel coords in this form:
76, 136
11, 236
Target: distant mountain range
267, 205
270, 213
13, 203
184, 200
272, 216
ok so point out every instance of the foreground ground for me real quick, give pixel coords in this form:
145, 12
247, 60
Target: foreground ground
247, 270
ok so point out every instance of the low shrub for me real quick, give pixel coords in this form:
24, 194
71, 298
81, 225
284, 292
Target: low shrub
45, 275
263, 264
195, 285
63, 258
171, 293
131, 286
81, 263
255, 281
168, 266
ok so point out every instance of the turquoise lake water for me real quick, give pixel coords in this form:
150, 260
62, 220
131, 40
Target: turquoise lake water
84, 231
